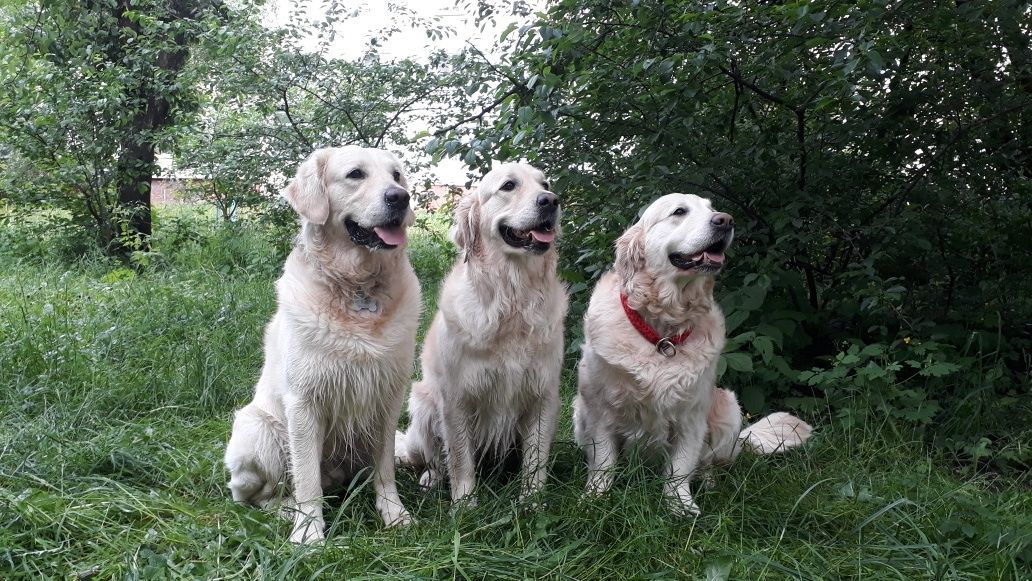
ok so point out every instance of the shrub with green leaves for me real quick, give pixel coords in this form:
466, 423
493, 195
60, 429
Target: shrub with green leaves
875, 156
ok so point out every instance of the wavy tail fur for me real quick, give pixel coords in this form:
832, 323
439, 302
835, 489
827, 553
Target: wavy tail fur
775, 433
770, 434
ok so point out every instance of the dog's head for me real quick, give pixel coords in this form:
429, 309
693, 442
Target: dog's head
679, 236
512, 210
359, 193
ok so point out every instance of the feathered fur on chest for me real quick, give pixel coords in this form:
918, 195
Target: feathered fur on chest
504, 305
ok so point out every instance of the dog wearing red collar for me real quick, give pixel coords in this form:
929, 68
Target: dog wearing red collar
653, 335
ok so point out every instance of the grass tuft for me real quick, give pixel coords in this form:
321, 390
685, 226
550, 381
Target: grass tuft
118, 389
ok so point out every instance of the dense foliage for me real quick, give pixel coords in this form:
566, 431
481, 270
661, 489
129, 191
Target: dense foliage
270, 99
97, 88
90, 91
875, 156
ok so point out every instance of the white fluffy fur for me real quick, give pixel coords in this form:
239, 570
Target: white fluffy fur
628, 393
334, 378
492, 357
775, 433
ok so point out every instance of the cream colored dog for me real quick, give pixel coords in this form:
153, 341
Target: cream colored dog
339, 350
492, 357
653, 338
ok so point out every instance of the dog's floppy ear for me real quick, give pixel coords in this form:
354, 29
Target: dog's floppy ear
307, 191
630, 252
467, 223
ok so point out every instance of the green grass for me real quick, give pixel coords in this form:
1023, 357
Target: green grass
117, 390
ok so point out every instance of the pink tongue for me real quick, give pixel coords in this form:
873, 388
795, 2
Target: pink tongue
714, 258
394, 236
543, 236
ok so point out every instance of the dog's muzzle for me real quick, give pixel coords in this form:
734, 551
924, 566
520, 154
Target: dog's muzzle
539, 237
390, 233
711, 258
387, 236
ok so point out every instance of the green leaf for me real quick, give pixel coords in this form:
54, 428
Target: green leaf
765, 347
739, 362
734, 320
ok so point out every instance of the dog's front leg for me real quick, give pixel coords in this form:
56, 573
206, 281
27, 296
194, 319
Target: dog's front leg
305, 438
596, 437
684, 458
537, 430
387, 500
459, 447
601, 450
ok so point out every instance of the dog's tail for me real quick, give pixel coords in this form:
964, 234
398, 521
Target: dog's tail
775, 433
770, 434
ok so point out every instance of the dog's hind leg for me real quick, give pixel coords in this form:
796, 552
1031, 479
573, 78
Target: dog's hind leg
422, 442
723, 425
256, 456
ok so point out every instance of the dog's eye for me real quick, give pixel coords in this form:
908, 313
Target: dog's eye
546, 185
680, 212
356, 174
508, 186
397, 176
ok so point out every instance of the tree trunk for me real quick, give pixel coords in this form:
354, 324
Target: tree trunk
136, 160
135, 168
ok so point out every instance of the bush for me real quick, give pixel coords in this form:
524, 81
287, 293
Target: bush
875, 158
41, 234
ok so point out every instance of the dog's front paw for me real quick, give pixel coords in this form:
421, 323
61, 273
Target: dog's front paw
527, 506
465, 503
530, 500
307, 533
683, 507
708, 481
400, 519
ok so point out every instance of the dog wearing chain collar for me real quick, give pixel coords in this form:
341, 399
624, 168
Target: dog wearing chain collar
653, 335
492, 357
339, 350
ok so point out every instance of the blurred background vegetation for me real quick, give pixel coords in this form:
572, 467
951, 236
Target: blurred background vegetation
875, 154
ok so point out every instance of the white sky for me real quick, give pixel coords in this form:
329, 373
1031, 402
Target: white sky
365, 19
369, 18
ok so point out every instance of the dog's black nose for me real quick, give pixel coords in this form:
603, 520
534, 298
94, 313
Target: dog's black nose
722, 221
396, 197
548, 199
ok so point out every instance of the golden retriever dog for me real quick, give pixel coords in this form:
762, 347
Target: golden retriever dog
339, 350
493, 354
653, 335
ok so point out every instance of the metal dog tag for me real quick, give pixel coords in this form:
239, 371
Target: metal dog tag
666, 347
364, 303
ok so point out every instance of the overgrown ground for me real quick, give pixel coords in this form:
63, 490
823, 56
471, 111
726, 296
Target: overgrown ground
117, 390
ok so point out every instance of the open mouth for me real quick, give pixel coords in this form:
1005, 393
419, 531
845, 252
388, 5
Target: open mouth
537, 240
386, 236
708, 261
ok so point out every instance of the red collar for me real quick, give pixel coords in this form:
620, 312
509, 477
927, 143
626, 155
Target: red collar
665, 345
